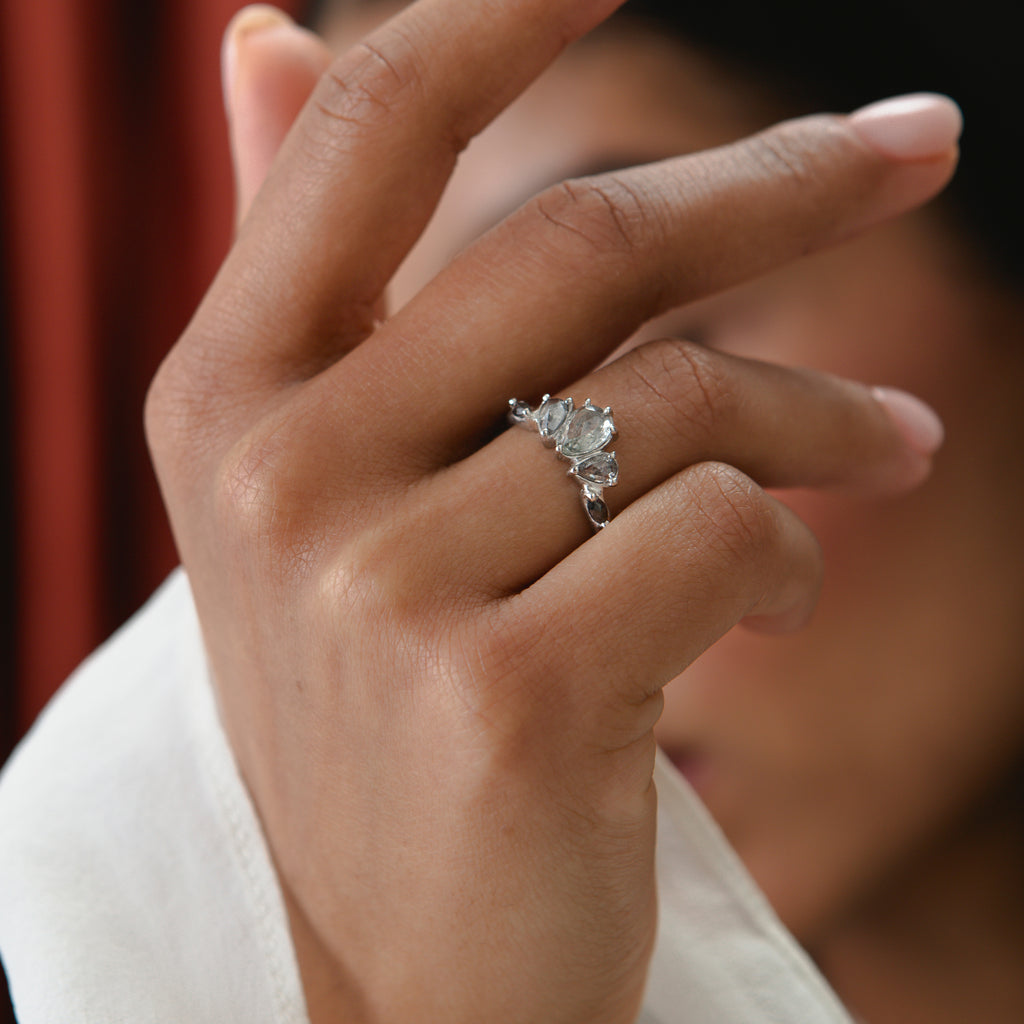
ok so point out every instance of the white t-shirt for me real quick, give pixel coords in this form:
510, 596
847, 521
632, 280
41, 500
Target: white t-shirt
136, 885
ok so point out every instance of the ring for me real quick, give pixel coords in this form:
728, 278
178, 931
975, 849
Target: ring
579, 437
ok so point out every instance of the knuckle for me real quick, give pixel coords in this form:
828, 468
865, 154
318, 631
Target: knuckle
383, 568
736, 517
361, 581
162, 420
247, 491
688, 381
368, 85
261, 508
606, 214
179, 420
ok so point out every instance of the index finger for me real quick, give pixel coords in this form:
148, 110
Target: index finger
362, 169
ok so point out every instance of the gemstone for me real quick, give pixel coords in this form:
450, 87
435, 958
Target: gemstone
600, 469
596, 509
552, 414
518, 411
588, 430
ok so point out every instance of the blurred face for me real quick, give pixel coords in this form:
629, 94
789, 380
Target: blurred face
835, 757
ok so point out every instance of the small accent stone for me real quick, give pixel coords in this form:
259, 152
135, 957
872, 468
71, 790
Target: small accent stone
518, 411
600, 468
587, 431
596, 509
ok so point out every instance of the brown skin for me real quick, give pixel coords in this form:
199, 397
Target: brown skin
836, 759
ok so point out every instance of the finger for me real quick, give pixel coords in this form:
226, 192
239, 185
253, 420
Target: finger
584, 264
676, 404
361, 173
271, 66
637, 604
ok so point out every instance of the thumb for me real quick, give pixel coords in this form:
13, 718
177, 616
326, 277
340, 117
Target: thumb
269, 67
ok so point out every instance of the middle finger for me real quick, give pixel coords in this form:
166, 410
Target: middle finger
545, 296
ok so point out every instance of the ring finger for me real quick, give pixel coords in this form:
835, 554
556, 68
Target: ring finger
676, 404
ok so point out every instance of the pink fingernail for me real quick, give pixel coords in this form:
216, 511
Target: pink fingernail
913, 127
254, 18
919, 424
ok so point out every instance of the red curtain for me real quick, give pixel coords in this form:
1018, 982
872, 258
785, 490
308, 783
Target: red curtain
117, 205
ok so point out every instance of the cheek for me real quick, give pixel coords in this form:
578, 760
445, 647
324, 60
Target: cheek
830, 756
877, 310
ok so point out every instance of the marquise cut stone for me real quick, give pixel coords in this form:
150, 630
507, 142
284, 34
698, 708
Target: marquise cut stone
596, 509
600, 468
588, 430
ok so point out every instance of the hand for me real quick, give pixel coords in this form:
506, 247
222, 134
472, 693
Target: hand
440, 689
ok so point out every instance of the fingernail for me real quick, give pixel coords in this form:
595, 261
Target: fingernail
254, 18
913, 127
919, 424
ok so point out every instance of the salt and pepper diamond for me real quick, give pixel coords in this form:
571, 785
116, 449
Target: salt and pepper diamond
598, 469
579, 437
587, 431
551, 417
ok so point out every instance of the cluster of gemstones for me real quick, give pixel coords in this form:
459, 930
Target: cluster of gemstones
579, 437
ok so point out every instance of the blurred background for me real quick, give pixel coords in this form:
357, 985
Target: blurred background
116, 211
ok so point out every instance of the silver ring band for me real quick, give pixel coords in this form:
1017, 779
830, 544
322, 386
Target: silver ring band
579, 436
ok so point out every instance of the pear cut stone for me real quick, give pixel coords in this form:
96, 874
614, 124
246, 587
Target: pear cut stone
600, 469
588, 430
552, 415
